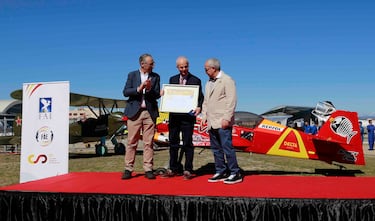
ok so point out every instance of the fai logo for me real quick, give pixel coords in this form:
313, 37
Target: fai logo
44, 136
45, 108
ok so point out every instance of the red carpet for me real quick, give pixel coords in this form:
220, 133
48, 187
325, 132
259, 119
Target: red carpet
253, 186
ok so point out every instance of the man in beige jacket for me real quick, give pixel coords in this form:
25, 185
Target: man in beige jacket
218, 112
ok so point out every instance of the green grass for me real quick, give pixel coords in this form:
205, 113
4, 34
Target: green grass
249, 163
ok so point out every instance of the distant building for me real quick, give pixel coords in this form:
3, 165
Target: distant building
246, 119
290, 115
81, 114
9, 109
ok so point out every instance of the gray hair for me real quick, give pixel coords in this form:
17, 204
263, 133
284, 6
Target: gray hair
143, 57
182, 58
213, 62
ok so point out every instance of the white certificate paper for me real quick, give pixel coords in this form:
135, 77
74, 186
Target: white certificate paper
179, 98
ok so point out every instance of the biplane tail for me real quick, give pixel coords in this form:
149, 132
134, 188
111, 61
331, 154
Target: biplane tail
342, 129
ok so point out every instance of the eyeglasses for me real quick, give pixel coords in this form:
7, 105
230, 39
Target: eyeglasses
152, 63
207, 68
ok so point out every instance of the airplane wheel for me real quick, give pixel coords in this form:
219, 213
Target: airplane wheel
101, 150
120, 149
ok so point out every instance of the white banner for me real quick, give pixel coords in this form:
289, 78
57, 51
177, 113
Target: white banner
45, 130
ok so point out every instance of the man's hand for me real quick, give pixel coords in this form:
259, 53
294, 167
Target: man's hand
224, 124
197, 111
145, 85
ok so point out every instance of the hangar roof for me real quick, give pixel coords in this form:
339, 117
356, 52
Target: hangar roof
10, 107
297, 112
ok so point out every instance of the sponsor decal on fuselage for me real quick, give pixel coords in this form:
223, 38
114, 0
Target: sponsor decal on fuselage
271, 127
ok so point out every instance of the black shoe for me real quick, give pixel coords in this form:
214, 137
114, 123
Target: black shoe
126, 175
217, 178
150, 175
232, 179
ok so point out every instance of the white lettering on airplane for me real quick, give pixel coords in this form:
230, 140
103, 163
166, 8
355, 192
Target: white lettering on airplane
290, 144
270, 127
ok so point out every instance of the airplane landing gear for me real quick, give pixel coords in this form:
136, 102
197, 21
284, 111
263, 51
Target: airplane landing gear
101, 149
119, 148
341, 167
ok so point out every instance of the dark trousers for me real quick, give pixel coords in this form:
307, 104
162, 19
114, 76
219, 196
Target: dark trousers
222, 148
181, 128
371, 139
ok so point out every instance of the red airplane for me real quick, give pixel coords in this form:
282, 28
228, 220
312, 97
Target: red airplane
338, 139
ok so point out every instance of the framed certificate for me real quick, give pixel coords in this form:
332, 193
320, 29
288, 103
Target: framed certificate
179, 98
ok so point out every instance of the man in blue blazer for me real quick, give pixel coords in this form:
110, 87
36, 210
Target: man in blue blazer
183, 123
143, 89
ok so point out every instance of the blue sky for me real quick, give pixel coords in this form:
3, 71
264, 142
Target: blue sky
278, 52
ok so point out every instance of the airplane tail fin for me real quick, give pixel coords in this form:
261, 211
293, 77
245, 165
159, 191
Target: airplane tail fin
342, 128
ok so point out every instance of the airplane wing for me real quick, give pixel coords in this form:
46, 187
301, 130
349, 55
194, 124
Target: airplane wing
84, 100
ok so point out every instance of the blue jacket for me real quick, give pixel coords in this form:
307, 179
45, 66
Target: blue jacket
135, 98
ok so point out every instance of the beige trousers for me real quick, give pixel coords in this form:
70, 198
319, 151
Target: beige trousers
145, 125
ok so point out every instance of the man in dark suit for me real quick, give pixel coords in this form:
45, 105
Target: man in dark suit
143, 89
183, 123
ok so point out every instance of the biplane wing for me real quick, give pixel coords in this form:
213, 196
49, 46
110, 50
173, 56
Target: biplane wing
97, 102
78, 100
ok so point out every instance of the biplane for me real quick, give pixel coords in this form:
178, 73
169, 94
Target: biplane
338, 139
107, 123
